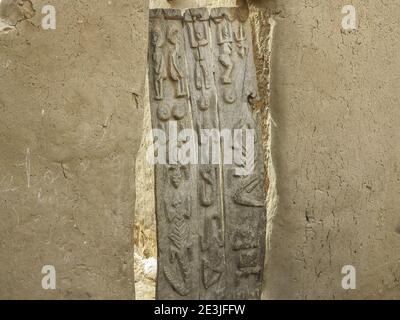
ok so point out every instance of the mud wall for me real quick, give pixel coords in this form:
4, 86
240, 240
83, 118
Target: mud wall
71, 108
334, 118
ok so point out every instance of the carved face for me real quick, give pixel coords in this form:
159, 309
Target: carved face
203, 103
156, 37
163, 113
173, 35
176, 176
176, 202
199, 32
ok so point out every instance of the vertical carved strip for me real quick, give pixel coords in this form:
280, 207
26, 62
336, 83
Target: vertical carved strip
205, 251
205, 117
177, 223
244, 195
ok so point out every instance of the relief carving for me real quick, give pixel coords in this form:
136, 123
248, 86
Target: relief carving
207, 188
245, 238
198, 37
225, 42
175, 61
203, 103
213, 245
160, 73
249, 191
163, 113
178, 211
240, 38
210, 223
229, 95
244, 193
247, 294
179, 263
213, 263
205, 116
247, 244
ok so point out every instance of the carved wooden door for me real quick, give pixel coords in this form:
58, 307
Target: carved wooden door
210, 217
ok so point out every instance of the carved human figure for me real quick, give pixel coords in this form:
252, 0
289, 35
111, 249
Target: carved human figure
175, 57
158, 62
240, 38
178, 211
225, 43
203, 103
199, 41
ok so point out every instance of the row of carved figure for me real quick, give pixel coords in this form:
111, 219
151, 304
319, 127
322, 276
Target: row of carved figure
171, 63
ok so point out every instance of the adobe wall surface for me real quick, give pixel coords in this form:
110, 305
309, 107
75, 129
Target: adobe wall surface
334, 193
71, 109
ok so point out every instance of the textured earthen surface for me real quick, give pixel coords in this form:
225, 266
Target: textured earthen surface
71, 123
334, 193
